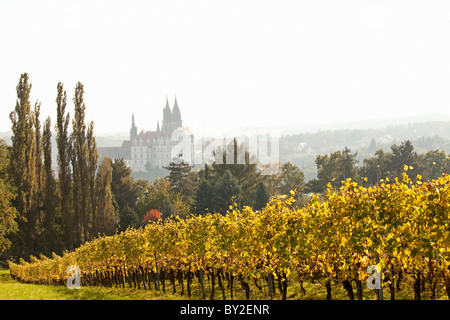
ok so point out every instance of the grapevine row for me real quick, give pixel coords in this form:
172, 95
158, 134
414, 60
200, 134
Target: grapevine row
401, 225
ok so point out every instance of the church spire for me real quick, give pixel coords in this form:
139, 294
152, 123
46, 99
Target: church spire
133, 130
167, 102
176, 115
167, 113
157, 126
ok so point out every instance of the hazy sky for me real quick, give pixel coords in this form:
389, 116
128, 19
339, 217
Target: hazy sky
230, 63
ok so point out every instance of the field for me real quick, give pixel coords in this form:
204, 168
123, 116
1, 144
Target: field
14, 290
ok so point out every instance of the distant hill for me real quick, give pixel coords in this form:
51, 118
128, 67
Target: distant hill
110, 139
302, 148
378, 123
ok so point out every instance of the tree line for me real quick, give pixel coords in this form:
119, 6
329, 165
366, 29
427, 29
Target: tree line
383, 166
55, 211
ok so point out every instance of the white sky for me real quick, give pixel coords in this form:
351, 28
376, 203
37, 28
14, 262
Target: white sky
230, 63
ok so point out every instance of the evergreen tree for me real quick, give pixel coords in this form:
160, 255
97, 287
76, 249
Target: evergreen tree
242, 166
180, 178
262, 197
23, 167
127, 218
204, 198
64, 172
402, 155
227, 192
373, 146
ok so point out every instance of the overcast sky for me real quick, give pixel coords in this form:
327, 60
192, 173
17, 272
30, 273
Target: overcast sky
229, 63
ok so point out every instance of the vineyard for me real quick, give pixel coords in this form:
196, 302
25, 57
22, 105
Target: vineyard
401, 226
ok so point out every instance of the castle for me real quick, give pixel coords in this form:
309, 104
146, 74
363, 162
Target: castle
150, 149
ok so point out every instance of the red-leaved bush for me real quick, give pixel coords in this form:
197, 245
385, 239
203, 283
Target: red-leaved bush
152, 215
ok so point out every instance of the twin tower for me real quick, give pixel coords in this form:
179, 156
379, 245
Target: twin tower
171, 121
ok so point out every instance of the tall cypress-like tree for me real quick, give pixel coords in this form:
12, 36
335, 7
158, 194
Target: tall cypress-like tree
38, 158
64, 160
23, 166
76, 194
51, 234
92, 169
80, 166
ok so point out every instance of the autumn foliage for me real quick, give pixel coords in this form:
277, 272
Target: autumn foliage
152, 215
402, 225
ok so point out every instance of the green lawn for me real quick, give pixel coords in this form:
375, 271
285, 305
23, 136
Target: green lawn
13, 290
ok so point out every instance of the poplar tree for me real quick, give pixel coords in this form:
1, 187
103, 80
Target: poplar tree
23, 166
75, 193
39, 175
51, 234
92, 169
80, 166
64, 160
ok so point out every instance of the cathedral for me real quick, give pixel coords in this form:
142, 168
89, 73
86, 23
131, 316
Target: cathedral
151, 149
